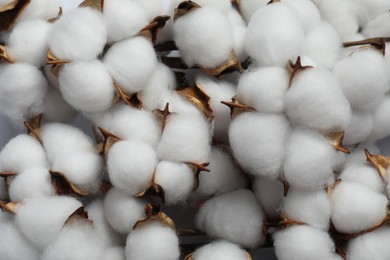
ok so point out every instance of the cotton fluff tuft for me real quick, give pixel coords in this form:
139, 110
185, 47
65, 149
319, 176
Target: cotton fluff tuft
41, 219
249, 7
304, 243
176, 179
80, 34
28, 42
364, 174
122, 211
274, 35
310, 160
269, 193
152, 241
381, 122
87, 86
376, 27
359, 128
356, 208
239, 30
258, 142
220, 250
185, 139
315, 100
234, 216
202, 45
178, 104
132, 175
307, 11
264, 89
22, 153
55, 107
40, 9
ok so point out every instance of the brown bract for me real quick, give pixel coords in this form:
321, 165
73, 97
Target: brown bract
237, 107
153, 214
331, 187
197, 168
380, 162
10, 12
96, 4
79, 214
237, 5
33, 127
295, 68
336, 140
4, 56
286, 222
273, 1
154, 190
184, 8
163, 115
9, 6
55, 63
54, 19
63, 186
109, 139
378, 43
232, 64
151, 31
133, 100
10, 207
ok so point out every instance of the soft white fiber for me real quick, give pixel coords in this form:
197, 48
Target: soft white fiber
239, 32
185, 139
258, 142
130, 165
234, 216
364, 174
274, 35
115, 253
80, 34
371, 9
220, 249
249, 7
154, 7
40, 9
315, 100
307, 11
122, 211
356, 207
264, 89
55, 107
51, 78
377, 26
310, 160
358, 156
221, 5
28, 42
269, 193
87, 86
152, 241
176, 179
359, 128
202, 44
178, 104
381, 124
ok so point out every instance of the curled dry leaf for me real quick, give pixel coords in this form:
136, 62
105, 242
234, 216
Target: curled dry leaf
96, 4
295, 68
33, 127
232, 64
336, 140
8, 17
79, 214
380, 162
237, 107
153, 213
10, 207
163, 115
4, 55
150, 31
109, 140
184, 8
64, 187
378, 43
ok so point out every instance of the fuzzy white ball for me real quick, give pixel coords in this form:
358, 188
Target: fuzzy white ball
40, 9
220, 250
269, 193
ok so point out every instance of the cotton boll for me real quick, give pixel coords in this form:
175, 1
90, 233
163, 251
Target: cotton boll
51, 78
220, 250
153, 7
377, 26
264, 89
274, 35
185, 139
41, 219
381, 122
307, 12
152, 242
22, 91
131, 63
309, 160
32, 183
312, 208
359, 128
356, 207
115, 253
258, 142
28, 42
122, 211
201, 45
363, 174
80, 34
40, 9
55, 107
304, 243
269, 193
239, 32
22, 153
87, 86
221, 5
249, 7
179, 105
135, 175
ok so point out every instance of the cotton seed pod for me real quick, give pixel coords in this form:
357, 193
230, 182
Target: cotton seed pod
258, 142
79, 35
152, 241
359, 128
237, 210
376, 28
269, 194
55, 107
279, 39
304, 243
131, 63
122, 211
135, 175
363, 174
356, 208
381, 122
308, 13
115, 253
220, 249
249, 7
264, 89
40, 9
87, 86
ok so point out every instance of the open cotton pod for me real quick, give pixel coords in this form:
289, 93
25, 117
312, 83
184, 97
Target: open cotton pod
234, 216
220, 249
364, 174
269, 193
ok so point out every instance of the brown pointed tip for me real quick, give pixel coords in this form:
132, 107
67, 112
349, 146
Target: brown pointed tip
79, 214
64, 187
153, 214
231, 64
236, 107
184, 8
378, 43
380, 162
273, 1
286, 188
189, 256
33, 126
237, 5
96, 4
336, 140
109, 139
54, 19
163, 115
8, 174
295, 68
156, 25
4, 54
286, 222
197, 169
53, 60
10, 207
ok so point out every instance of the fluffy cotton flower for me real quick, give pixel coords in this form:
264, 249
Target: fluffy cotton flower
239, 31
220, 250
359, 128
363, 174
55, 107
40, 9
269, 193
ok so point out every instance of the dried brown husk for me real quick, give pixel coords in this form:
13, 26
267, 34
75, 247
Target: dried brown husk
80, 214
336, 140
184, 8
4, 56
63, 186
380, 162
151, 31
153, 214
237, 5
163, 115
33, 127
54, 19
9, 15
133, 100
109, 139
232, 64
197, 168
295, 68
191, 256
55, 63
154, 190
378, 43
9, 6
10, 207
236, 107
96, 4
287, 222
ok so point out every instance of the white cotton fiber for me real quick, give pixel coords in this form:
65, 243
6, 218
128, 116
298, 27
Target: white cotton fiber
258, 142
154, 7
131, 63
304, 243
130, 165
28, 42
80, 34
373, 245
115, 253
249, 7
381, 124
87, 86
356, 207
358, 156
239, 31
152, 241
41, 219
31, 183
22, 153
178, 104
269, 194
315, 100
359, 128
310, 160
363, 78
377, 26
224, 174
176, 179
122, 211
22, 91
51, 78
234, 216
307, 12
310, 207
220, 249
221, 5
274, 35
123, 19
185, 139
264, 89
40, 9
371, 9
202, 44
55, 107
364, 174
